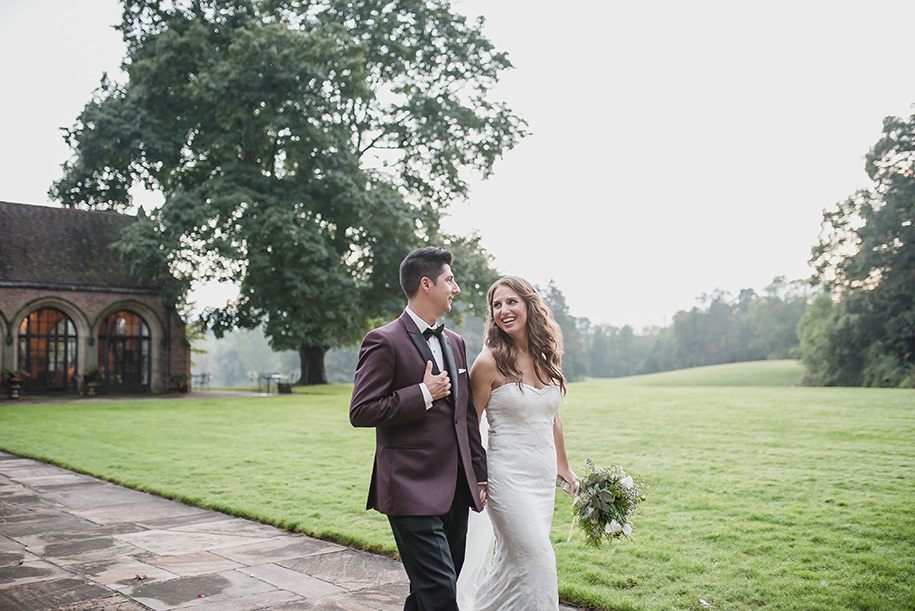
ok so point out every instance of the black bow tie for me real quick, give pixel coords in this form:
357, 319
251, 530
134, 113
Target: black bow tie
436, 331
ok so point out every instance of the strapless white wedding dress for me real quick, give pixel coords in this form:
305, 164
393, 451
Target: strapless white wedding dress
521, 458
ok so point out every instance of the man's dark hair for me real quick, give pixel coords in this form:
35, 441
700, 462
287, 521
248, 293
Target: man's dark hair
425, 262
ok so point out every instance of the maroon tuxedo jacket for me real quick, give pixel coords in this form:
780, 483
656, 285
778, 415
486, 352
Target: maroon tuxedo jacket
417, 450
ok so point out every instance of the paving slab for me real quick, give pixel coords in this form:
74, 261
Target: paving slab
186, 591
153, 508
56, 481
349, 569
387, 597
65, 593
168, 542
74, 561
77, 547
234, 526
343, 604
42, 522
122, 571
195, 563
201, 516
278, 600
71, 542
25, 467
17, 499
30, 572
91, 494
40, 539
274, 550
302, 584
14, 555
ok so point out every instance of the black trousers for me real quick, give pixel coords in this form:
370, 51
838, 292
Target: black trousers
432, 551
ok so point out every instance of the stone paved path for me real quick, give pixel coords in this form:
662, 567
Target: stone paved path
70, 542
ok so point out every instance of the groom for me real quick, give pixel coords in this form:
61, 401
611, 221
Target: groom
412, 386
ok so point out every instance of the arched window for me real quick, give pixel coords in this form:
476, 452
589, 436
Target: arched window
124, 352
48, 350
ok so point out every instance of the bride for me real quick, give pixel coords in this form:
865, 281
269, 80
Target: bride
517, 381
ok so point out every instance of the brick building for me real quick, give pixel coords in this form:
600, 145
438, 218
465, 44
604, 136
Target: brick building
69, 302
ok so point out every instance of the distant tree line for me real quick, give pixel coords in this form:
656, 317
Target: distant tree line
720, 329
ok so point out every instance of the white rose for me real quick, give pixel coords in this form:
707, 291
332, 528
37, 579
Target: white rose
626, 482
613, 527
627, 529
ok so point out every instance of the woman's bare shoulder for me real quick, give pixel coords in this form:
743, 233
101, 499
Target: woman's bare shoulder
485, 371
485, 361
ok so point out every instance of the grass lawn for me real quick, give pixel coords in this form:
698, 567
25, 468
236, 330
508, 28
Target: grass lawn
763, 496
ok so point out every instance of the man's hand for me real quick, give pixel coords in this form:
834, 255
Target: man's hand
439, 385
483, 496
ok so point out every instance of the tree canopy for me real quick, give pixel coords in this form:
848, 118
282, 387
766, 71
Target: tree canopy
865, 334
301, 148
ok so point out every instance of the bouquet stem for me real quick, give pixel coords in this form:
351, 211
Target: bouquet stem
572, 528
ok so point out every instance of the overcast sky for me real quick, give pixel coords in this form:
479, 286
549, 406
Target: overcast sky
677, 147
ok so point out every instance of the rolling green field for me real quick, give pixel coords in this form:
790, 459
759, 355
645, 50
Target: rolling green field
763, 495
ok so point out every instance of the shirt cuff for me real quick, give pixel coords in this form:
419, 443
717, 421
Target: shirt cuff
426, 394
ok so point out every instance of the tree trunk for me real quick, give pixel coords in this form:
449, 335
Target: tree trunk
312, 359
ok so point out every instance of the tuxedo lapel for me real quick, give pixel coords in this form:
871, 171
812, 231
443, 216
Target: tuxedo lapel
423, 346
448, 357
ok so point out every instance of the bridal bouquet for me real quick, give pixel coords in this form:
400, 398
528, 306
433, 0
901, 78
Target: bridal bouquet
607, 498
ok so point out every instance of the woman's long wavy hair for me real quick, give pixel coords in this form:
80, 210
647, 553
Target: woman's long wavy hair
543, 334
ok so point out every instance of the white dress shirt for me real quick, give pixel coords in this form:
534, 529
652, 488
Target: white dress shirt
434, 345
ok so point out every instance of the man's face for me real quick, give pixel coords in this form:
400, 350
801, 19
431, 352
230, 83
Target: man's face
444, 289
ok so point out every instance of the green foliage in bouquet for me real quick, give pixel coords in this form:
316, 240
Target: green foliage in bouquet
606, 500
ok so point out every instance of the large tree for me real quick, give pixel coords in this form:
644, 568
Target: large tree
866, 258
301, 149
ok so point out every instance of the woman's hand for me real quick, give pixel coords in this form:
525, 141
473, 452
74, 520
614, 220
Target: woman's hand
567, 474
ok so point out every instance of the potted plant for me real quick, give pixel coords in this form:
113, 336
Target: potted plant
178, 382
15, 377
92, 378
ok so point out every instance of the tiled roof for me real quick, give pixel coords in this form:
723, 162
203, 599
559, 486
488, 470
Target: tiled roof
63, 246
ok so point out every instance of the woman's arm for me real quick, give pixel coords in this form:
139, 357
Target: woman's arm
482, 379
481, 383
563, 468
